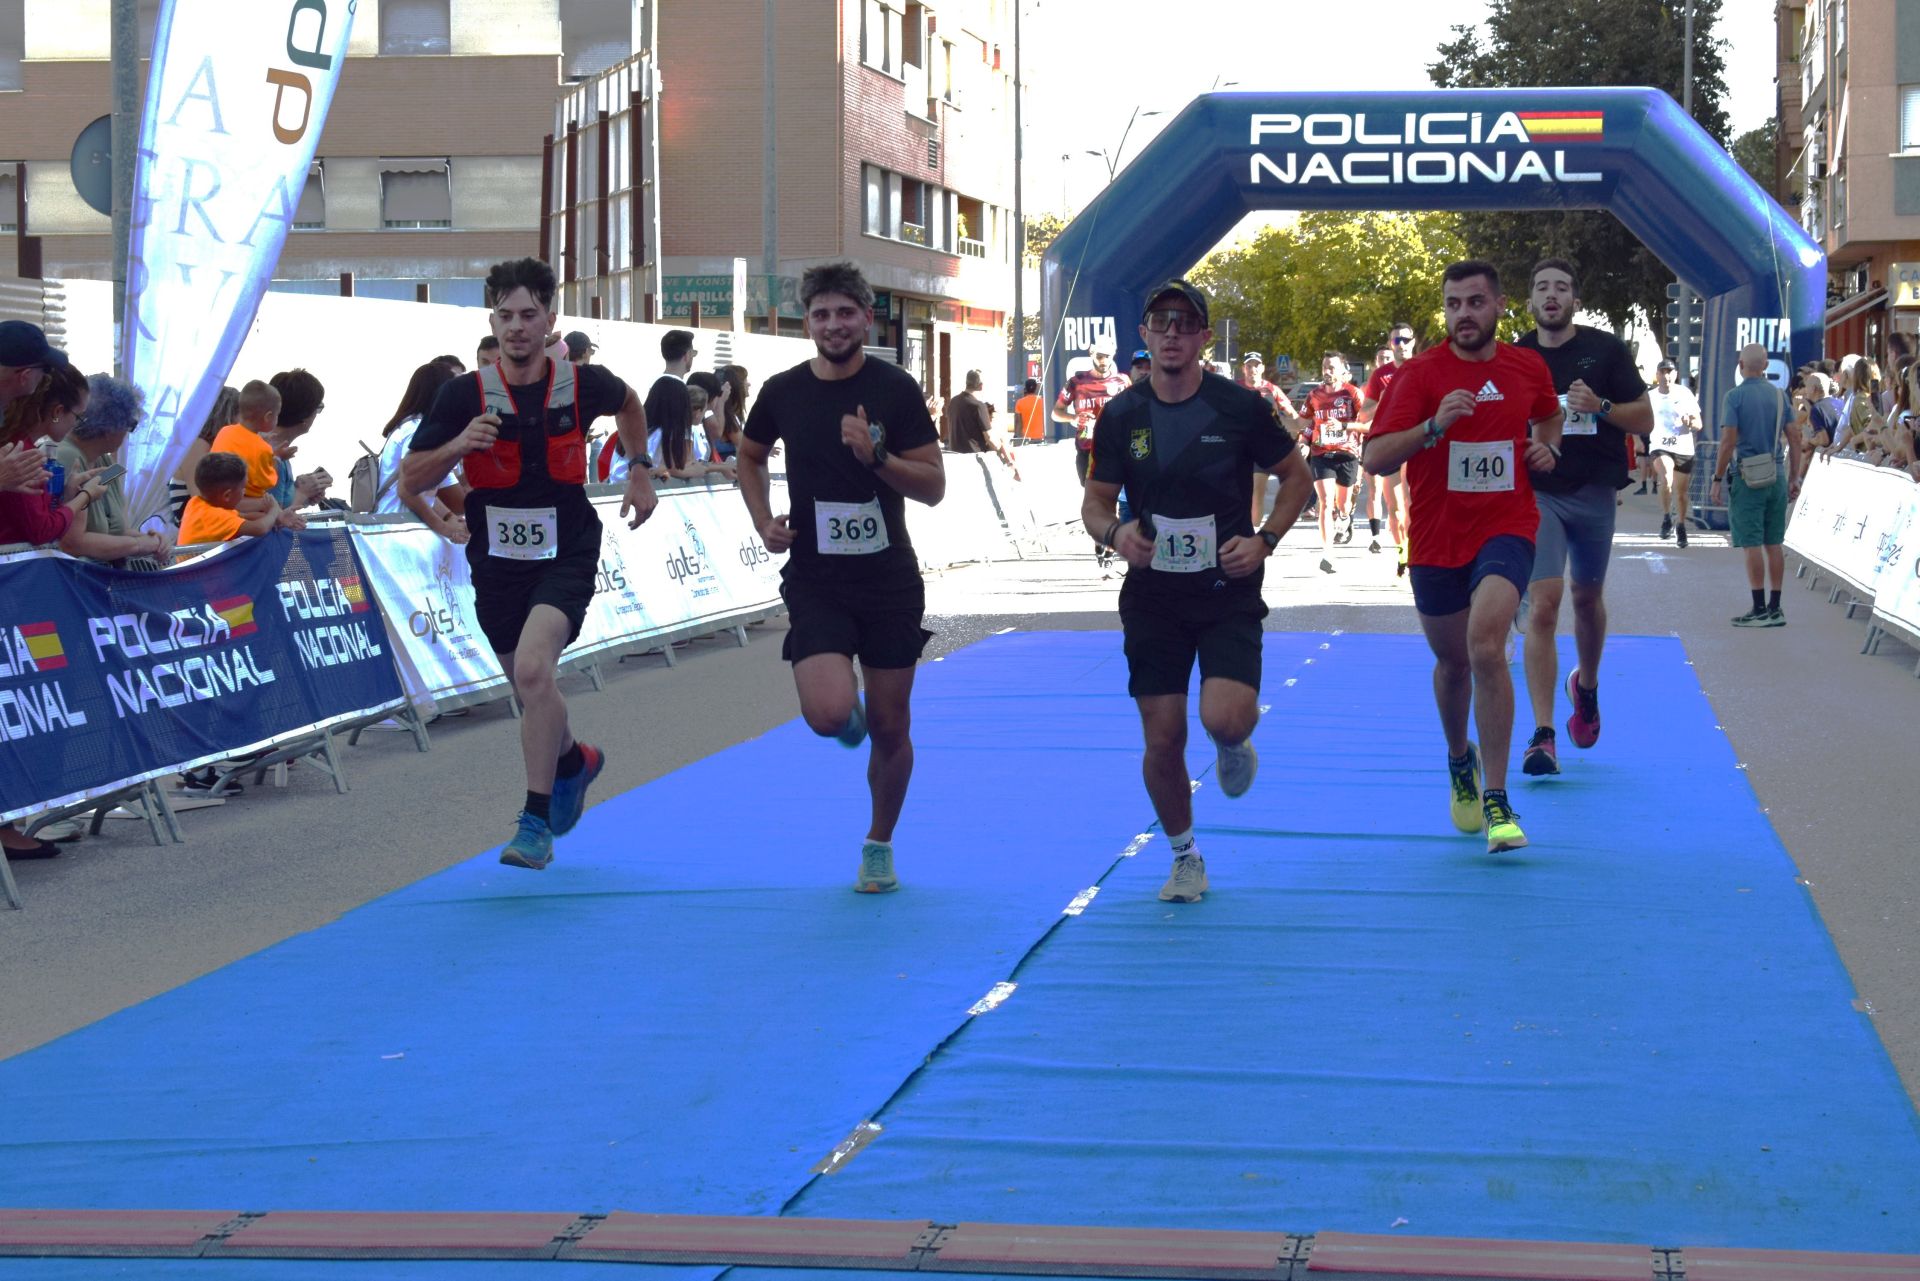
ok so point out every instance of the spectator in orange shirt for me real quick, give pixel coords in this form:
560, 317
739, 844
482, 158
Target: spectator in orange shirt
214, 515
251, 441
1030, 413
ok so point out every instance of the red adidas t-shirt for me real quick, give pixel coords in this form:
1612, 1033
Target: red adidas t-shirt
1472, 485
1335, 412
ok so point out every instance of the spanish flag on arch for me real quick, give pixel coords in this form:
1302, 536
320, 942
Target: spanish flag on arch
1563, 126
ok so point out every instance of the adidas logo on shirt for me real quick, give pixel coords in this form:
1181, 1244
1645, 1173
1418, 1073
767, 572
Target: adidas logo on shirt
1488, 392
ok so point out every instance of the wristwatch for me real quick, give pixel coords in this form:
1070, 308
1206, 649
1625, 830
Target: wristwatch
1606, 407
879, 455
1269, 537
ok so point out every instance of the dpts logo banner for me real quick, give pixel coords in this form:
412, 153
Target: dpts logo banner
235, 103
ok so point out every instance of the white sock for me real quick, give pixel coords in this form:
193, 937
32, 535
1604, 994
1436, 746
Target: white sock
1182, 842
884, 845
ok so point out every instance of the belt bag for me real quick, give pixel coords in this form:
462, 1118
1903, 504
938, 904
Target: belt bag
1759, 471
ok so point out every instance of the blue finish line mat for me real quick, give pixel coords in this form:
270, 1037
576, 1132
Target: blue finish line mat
1635, 1030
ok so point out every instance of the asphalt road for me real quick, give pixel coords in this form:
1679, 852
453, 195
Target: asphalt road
1829, 737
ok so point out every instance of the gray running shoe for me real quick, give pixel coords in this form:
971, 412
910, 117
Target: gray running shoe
1776, 617
1235, 766
876, 870
1187, 882
1755, 618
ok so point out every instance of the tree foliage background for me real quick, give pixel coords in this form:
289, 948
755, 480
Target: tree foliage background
1585, 42
1335, 280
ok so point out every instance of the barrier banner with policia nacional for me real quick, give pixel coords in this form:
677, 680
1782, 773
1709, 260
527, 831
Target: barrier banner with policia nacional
110, 677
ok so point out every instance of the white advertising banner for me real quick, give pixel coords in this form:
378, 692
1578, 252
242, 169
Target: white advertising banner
1845, 517
697, 563
425, 591
235, 102
1897, 600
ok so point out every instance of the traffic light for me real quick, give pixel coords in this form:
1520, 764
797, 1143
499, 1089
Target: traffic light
1680, 298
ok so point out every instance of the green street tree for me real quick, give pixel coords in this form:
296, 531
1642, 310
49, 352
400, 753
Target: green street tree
1333, 281
1585, 42
1754, 149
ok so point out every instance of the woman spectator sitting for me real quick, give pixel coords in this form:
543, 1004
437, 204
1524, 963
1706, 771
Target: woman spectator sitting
710, 421
739, 387
425, 384
112, 409
226, 409
679, 449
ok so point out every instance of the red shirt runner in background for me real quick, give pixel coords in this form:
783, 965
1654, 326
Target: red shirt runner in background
1472, 485
1273, 396
1085, 395
1335, 412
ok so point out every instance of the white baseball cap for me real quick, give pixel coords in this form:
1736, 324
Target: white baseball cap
1100, 347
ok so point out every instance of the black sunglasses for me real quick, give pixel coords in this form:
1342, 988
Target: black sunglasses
1401, 338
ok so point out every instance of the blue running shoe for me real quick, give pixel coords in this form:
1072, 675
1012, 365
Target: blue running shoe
531, 846
570, 794
856, 731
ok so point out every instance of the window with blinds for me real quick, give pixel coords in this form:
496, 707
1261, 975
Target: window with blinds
415, 195
1910, 117
415, 27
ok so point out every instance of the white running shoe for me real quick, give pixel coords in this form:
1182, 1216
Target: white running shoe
1188, 880
1235, 766
876, 870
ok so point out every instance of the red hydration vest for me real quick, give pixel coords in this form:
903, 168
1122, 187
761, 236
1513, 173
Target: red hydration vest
566, 461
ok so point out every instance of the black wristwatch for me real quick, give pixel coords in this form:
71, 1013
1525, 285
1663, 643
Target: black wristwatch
1269, 537
879, 455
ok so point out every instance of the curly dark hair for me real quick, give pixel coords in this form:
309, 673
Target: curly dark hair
531, 274
835, 278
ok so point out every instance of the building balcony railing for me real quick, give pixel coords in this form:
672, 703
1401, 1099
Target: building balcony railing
972, 248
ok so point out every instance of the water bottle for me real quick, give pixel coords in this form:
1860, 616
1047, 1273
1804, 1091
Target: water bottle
56, 480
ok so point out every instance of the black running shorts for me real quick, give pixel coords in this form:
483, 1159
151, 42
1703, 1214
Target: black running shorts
1682, 463
1342, 469
505, 592
1164, 634
877, 621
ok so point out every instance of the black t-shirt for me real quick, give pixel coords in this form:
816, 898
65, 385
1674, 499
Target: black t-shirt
1594, 452
802, 412
597, 391
1190, 460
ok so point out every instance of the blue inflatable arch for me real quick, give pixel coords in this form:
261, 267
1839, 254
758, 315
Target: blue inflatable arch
1631, 151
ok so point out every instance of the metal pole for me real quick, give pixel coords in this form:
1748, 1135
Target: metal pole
769, 166
1683, 348
1017, 357
124, 48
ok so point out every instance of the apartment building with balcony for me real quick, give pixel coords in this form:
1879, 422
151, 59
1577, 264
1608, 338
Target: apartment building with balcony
428, 169
893, 141
1849, 159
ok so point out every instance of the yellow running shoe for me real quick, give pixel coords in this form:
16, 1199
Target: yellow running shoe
1464, 779
1503, 833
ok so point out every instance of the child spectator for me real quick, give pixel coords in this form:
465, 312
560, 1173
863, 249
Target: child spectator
213, 515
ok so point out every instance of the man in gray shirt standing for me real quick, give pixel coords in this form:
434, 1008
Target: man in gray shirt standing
1754, 417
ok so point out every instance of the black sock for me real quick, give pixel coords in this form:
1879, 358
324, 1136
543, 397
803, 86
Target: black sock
1773, 600
572, 761
540, 805
1373, 526
1759, 600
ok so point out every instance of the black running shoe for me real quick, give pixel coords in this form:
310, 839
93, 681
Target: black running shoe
1542, 757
